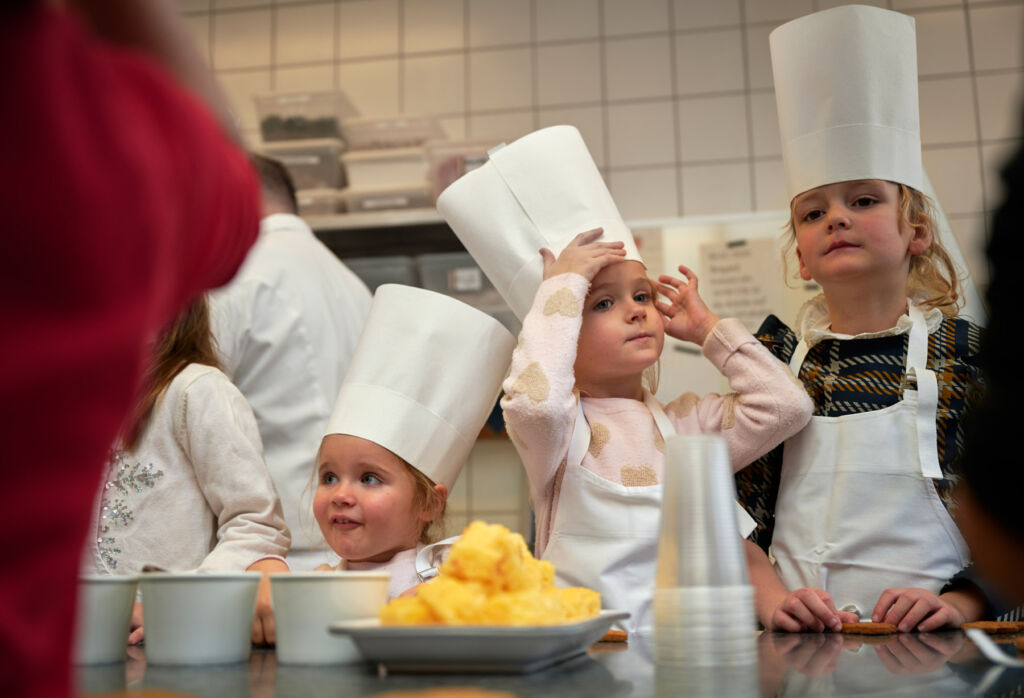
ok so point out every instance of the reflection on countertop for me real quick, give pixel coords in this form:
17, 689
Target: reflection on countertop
932, 664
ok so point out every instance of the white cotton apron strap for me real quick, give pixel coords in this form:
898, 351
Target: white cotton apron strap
580, 441
428, 558
927, 394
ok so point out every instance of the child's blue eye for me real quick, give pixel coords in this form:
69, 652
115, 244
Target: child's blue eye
328, 478
370, 479
864, 201
642, 297
813, 215
603, 305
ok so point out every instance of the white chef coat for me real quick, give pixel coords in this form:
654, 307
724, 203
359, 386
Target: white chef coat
287, 326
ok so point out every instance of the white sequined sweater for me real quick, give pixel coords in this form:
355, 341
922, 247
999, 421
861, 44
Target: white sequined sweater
194, 493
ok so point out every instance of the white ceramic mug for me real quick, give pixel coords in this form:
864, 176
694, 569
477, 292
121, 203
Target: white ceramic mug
306, 603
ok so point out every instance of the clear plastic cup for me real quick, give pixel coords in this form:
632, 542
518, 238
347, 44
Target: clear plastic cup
699, 542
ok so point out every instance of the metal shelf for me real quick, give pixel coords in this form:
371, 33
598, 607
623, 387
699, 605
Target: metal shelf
373, 234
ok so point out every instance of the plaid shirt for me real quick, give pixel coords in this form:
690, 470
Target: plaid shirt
860, 375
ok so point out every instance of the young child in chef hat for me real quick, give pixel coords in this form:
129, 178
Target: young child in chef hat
861, 526
586, 425
424, 377
186, 486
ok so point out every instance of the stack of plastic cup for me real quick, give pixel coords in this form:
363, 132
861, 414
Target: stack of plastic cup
703, 601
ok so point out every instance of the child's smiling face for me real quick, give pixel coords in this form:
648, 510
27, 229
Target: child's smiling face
365, 500
622, 333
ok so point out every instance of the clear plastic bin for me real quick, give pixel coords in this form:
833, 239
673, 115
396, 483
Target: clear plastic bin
385, 199
458, 275
302, 115
449, 160
385, 168
314, 164
318, 202
375, 271
390, 132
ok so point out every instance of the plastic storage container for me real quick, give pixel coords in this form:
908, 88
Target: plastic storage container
390, 132
302, 115
384, 199
449, 160
457, 274
375, 271
385, 168
314, 164
319, 202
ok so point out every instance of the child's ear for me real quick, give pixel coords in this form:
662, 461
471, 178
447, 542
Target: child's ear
920, 239
436, 504
804, 273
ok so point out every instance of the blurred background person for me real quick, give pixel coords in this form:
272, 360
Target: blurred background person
125, 195
286, 328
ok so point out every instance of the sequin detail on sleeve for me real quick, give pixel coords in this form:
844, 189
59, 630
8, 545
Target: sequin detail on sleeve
126, 478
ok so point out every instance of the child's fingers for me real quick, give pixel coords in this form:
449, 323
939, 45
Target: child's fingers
137, 635
587, 236
824, 612
917, 612
939, 617
899, 610
691, 276
794, 605
547, 257
885, 602
665, 309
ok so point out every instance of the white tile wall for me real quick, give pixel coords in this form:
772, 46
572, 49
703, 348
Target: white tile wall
569, 73
701, 14
305, 33
634, 16
674, 97
709, 61
638, 68
367, 28
499, 22
559, 20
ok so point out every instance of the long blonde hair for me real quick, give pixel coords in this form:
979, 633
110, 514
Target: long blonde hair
933, 278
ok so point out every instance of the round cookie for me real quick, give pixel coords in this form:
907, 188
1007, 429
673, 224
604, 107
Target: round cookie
995, 627
869, 628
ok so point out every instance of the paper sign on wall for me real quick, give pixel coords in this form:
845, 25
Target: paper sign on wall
741, 279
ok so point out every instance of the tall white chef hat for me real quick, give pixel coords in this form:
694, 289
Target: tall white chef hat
424, 377
846, 93
540, 191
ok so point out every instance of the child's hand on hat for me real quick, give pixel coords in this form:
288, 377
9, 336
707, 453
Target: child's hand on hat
685, 315
584, 256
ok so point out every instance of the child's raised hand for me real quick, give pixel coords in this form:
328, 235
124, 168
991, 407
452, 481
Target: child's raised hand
809, 609
584, 256
916, 609
685, 315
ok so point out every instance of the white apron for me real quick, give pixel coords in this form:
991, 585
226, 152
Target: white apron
605, 535
857, 511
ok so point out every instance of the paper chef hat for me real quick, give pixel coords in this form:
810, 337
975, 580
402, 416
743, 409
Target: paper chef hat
424, 377
846, 93
541, 191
